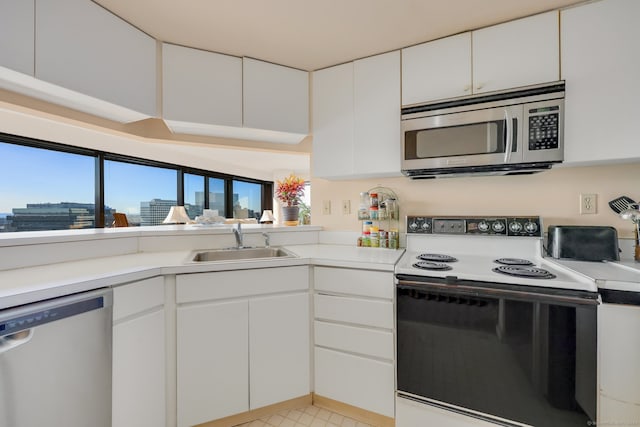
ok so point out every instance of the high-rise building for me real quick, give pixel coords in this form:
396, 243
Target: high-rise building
155, 211
53, 216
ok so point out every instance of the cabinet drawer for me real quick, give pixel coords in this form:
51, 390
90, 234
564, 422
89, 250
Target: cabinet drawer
354, 310
137, 297
376, 284
240, 283
369, 342
357, 381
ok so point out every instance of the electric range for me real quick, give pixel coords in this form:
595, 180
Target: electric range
504, 250
486, 328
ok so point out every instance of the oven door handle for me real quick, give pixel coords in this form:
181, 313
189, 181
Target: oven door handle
551, 295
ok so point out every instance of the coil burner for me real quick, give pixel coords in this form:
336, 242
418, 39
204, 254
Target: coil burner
430, 265
524, 271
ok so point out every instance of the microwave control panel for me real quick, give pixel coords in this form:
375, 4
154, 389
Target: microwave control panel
544, 128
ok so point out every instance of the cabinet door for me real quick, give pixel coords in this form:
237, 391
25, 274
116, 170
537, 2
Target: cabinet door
517, 53
437, 70
333, 121
201, 87
275, 97
357, 381
139, 371
213, 356
81, 46
601, 65
377, 115
17, 35
279, 348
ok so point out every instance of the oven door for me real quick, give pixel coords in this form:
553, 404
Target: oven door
509, 354
489, 136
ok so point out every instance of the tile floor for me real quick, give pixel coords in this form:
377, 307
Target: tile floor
308, 416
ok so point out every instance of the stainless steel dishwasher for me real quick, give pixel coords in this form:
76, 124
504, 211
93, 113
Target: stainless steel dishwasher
55, 362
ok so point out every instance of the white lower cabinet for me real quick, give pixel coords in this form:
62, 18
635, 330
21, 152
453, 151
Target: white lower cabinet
243, 341
139, 386
213, 357
619, 353
354, 341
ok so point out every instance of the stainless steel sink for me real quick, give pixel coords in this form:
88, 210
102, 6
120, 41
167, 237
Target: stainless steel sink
241, 254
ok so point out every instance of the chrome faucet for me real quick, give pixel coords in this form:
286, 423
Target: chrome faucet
239, 237
266, 239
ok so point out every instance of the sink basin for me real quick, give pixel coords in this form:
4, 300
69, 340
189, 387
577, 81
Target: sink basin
241, 254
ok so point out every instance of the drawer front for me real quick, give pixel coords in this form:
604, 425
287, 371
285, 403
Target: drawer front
377, 284
369, 342
358, 311
240, 283
358, 381
137, 297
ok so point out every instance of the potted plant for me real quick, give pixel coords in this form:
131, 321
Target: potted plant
289, 192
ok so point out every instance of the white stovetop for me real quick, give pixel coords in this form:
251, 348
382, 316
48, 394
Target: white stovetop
476, 256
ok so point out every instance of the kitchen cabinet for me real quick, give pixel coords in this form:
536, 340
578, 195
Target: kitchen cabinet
354, 344
139, 384
619, 396
17, 35
201, 87
601, 63
213, 355
440, 69
356, 118
81, 46
517, 53
275, 97
243, 341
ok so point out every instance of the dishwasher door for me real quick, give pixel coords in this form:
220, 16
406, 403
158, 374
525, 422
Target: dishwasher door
55, 362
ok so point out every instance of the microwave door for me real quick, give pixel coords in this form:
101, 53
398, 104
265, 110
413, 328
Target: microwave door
472, 138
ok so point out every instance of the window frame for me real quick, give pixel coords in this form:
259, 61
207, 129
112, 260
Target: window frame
102, 156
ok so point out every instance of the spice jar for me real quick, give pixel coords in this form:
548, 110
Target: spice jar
363, 208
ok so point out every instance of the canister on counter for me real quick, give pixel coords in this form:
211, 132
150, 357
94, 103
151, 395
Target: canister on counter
384, 239
374, 236
393, 239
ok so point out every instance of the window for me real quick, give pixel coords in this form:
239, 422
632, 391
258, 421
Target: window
194, 194
247, 199
217, 195
51, 186
144, 193
43, 189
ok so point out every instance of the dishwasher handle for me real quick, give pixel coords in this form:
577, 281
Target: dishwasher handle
12, 341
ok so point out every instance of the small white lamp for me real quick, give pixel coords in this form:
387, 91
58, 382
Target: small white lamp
177, 215
267, 217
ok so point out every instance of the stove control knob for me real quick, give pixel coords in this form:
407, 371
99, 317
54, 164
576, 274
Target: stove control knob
498, 226
483, 226
413, 225
515, 227
426, 225
530, 227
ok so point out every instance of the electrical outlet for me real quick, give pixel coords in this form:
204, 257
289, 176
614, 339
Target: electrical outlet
326, 207
588, 203
346, 207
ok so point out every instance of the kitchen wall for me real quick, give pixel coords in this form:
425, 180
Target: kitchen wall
554, 195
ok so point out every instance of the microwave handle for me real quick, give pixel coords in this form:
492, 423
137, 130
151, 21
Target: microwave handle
509, 131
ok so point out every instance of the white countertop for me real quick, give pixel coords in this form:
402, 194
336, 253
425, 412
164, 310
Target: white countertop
617, 275
25, 285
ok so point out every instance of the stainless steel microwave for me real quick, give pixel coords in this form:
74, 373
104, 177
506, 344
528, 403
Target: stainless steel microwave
503, 133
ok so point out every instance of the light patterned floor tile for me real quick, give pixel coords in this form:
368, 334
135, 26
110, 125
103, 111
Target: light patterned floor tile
306, 419
323, 414
287, 422
349, 422
312, 410
336, 419
296, 414
306, 416
275, 420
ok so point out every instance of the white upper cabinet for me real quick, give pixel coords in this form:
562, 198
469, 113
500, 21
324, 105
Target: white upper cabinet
83, 47
16, 35
201, 87
601, 65
439, 69
356, 118
516, 53
377, 115
333, 119
275, 97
